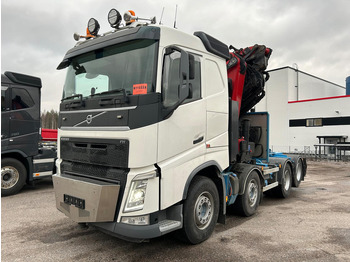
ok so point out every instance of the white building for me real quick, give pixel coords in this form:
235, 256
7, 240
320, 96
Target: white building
304, 110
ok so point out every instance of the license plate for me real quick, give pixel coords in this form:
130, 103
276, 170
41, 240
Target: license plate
75, 201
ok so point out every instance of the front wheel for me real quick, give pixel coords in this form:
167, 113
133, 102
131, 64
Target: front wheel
248, 202
201, 210
13, 176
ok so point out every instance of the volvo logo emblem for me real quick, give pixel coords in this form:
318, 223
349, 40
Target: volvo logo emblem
89, 119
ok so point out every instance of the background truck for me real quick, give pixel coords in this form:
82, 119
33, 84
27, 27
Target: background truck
154, 134
24, 158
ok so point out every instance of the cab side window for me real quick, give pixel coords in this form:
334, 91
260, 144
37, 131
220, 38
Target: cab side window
196, 82
171, 79
3, 98
20, 99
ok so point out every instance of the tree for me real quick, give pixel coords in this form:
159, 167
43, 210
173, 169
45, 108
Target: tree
49, 119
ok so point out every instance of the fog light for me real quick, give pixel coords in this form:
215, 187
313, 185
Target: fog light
140, 220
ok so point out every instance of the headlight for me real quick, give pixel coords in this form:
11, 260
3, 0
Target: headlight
137, 192
136, 198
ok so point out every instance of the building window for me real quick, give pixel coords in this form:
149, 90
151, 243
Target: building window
314, 122
318, 122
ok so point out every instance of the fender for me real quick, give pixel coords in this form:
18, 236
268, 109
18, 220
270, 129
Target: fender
196, 171
243, 170
14, 151
283, 162
219, 181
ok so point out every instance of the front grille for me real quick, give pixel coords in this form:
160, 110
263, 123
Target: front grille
106, 173
112, 153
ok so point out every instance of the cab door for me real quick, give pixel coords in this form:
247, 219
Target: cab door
185, 128
181, 137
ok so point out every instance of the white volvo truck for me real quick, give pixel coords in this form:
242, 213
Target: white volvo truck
153, 137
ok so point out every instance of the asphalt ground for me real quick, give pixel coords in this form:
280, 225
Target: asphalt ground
313, 224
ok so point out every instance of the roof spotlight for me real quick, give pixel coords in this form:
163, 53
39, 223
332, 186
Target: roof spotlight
114, 18
93, 26
129, 17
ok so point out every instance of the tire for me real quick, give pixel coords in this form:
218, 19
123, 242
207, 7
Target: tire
201, 210
13, 176
298, 175
283, 189
248, 202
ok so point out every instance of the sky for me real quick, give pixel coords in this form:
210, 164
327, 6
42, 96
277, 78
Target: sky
314, 34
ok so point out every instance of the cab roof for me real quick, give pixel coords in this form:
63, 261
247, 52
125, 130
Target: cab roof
12, 77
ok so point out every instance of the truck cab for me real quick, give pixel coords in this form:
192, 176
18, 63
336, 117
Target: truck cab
22, 160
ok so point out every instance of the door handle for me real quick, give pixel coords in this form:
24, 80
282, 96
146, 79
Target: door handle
198, 140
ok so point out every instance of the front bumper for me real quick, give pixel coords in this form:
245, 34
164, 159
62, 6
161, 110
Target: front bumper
85, 200
167, 221
94, 202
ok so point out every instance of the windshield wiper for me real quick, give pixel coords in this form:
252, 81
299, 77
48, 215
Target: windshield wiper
110, 92
121, 90
73, 96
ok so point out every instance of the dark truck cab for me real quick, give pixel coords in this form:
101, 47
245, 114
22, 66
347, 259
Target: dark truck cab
22, 159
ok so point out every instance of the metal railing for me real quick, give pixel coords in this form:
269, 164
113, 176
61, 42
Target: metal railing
318, 151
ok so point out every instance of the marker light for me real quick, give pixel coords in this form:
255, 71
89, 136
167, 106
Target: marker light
114, 18
93, 26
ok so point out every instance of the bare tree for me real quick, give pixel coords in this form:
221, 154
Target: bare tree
49, 119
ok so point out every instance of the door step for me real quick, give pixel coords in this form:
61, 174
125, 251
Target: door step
169, 225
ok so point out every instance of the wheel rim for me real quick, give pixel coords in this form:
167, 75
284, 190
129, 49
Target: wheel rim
203, 211
9, 177
252, 193
286, 179
299, 171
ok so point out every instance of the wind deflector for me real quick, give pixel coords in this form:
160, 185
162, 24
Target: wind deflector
23, 79
213, 45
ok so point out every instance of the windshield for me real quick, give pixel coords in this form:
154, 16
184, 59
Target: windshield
128, 67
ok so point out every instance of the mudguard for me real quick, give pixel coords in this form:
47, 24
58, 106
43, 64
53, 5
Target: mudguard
281, 162
242, 171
